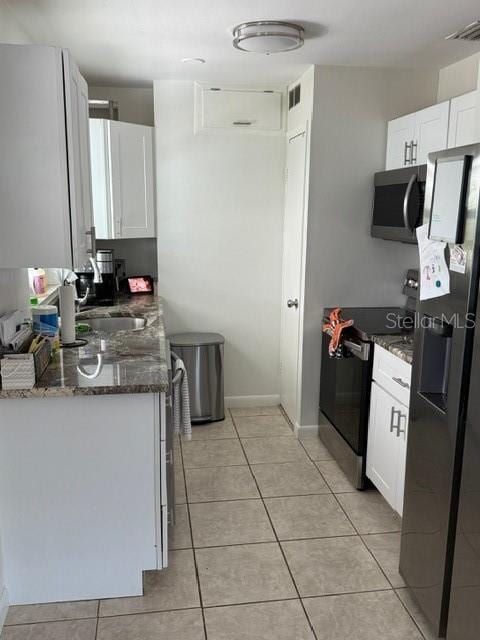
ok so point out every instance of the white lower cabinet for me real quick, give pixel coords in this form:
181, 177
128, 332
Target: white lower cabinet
83, 501
388, 431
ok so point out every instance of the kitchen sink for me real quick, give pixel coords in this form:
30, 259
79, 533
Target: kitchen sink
126, 323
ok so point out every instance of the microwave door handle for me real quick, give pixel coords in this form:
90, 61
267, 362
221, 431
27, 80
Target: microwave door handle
406, 202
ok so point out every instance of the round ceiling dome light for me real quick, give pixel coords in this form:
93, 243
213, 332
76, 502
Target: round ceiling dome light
268, 36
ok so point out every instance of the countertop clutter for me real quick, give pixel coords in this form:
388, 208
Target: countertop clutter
118, 362
400, 345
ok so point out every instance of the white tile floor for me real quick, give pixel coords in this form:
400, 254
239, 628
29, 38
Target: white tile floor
271, 543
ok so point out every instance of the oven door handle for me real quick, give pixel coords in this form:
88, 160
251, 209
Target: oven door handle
361, 351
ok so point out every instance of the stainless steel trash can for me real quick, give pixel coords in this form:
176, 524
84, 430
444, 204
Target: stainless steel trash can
202, 354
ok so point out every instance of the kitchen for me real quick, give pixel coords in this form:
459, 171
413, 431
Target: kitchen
272, 216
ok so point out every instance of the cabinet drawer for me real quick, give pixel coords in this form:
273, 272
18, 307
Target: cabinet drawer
392, 373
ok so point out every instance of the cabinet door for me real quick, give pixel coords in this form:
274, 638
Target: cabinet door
131, 149
401, 460
431, 131
386, 448
462, 126
78, 145
401, 132
100, 166
34, 220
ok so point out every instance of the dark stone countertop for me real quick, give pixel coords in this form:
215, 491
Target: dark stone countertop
127, 361
400, 345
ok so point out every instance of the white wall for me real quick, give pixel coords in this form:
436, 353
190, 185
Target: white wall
458, 78
134, 104
345, 266
220, 218
11, 31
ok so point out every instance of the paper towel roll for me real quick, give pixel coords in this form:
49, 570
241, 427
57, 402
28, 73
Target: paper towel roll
67, 313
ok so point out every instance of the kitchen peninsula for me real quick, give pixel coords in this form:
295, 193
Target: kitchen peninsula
84, 478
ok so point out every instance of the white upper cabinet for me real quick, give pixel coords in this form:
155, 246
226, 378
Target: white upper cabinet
122, 179
431, 131
44, 161
76, 101
462, 128
412, 137
401, 132
219, 108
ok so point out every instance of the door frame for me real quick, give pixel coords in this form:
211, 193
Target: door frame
290, 135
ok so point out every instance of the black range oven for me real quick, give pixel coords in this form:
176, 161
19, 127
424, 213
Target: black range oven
345, 387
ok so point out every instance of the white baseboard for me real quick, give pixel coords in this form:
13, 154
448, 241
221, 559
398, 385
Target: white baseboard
305, 430
251, 401
3, 606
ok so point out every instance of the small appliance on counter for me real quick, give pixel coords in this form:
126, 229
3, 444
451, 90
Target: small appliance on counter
137, 285
103, 293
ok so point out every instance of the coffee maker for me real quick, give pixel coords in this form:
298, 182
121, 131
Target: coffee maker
98, 294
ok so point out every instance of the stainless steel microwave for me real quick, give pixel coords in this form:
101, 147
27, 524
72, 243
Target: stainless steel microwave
398, 203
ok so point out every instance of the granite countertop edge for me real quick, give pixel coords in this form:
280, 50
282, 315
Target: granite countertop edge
394, 344
133, 361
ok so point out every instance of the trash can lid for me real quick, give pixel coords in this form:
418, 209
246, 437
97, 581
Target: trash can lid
195, 339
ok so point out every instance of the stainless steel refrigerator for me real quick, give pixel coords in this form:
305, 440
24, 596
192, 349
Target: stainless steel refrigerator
443, 347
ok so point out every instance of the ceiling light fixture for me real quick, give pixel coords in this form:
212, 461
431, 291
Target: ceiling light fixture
268, 36
193, 60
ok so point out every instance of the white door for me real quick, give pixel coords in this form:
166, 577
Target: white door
131, 149
292, 272
386, 447
401, 132
431, 131
462, 126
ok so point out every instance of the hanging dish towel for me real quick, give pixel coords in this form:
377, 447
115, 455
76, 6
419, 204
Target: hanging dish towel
181, 401
334, 327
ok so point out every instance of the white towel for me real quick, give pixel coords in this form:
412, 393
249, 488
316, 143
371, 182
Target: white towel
181, 403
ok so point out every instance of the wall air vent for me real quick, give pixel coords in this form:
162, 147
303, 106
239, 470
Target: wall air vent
293, 97
470, 32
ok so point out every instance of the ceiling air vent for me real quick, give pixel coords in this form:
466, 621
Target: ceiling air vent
470, 32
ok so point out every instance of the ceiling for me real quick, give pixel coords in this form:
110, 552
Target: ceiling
132, 42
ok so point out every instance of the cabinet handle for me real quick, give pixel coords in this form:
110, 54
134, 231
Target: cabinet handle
401, 382
93, 241
118, 228
397, 426
401, 431
413, 158
406, 159
392, 418
169, 457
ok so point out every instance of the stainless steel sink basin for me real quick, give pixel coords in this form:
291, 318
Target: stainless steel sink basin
115, 324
